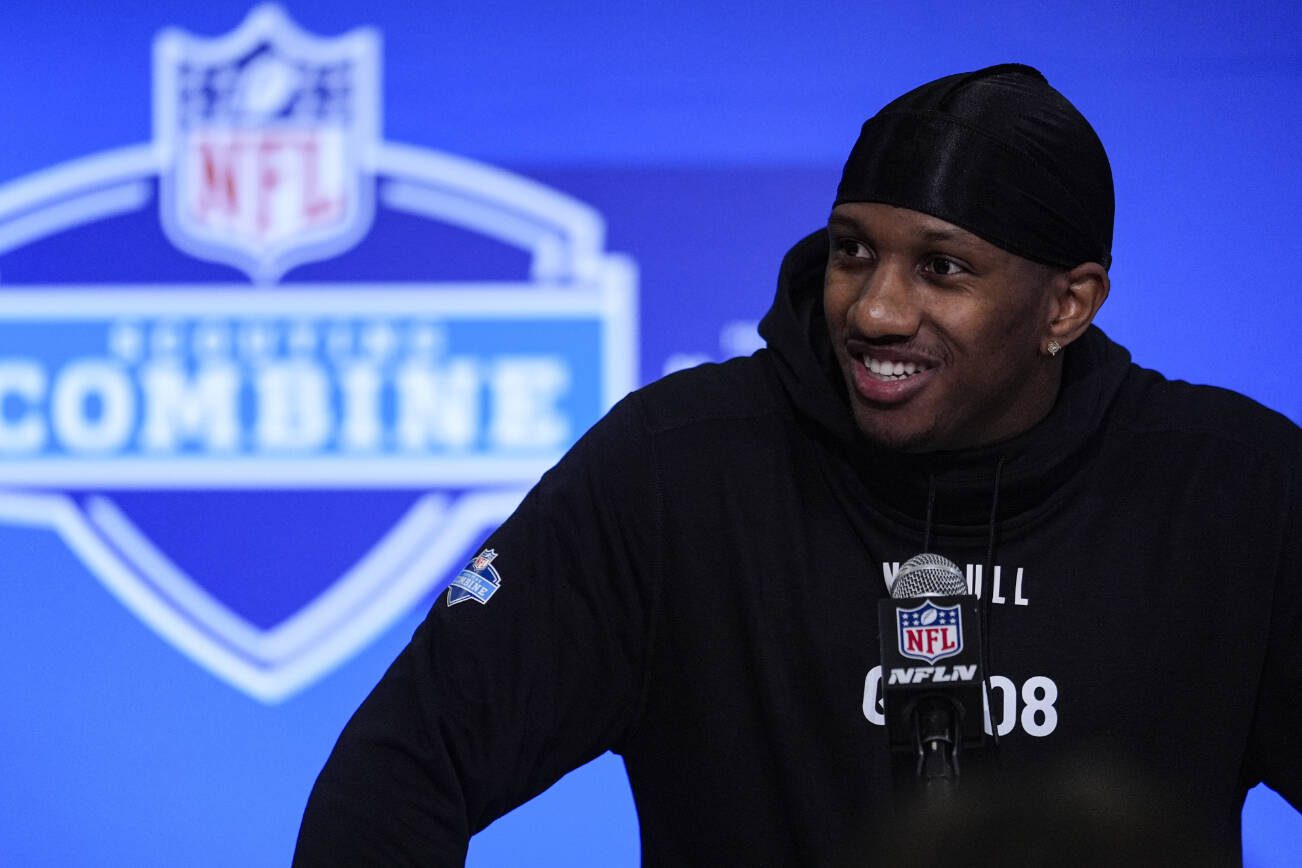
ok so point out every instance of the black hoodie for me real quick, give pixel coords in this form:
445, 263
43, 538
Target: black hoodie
695, 587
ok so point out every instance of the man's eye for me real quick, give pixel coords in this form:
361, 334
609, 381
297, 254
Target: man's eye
944, 266
856, 249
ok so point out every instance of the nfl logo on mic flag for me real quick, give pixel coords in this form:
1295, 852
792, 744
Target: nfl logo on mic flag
269, 470
930, 632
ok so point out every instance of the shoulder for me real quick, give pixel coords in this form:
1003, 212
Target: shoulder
738, 390
1149, 404
682, 413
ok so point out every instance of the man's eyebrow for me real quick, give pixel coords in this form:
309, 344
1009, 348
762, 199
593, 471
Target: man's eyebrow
953, 235
930, 235
944, 234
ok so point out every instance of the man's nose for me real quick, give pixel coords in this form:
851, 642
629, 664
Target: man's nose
888, 305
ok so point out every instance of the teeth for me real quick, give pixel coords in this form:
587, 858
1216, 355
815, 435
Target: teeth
888, 370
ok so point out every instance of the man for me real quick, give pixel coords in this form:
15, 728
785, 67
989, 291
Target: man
695, 585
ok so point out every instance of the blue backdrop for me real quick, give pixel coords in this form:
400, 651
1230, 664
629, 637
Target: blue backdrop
226, 495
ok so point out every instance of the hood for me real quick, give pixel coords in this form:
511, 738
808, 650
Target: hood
1030, 465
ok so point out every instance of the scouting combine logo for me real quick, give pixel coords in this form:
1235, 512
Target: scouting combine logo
267, 468
930, 632
477, 582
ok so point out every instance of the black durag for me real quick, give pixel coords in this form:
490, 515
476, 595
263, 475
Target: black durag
997, 152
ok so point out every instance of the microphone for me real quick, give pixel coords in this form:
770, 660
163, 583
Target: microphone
930, 634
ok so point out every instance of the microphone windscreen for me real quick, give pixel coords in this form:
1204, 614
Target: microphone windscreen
928, 575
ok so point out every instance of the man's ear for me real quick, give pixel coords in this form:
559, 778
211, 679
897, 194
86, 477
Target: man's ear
1077, 296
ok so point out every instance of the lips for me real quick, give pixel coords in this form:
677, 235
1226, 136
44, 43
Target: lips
888, 378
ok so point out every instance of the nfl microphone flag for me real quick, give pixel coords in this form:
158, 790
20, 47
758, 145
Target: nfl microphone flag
931, 647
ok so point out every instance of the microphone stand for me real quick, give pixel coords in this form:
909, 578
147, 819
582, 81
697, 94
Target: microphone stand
936, 749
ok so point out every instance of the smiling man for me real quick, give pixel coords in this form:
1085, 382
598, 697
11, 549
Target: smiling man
970, 239
695, 585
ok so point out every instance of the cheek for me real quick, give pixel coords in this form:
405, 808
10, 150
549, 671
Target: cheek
836, 306
1001, 331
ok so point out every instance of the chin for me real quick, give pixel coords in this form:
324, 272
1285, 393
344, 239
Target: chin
896, 437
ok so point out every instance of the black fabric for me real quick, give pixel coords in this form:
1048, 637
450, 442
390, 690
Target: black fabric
997, 152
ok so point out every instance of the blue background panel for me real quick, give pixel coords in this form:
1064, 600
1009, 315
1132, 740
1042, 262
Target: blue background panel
708, 137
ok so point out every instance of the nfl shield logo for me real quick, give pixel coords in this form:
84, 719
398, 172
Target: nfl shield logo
268, 134
481, 561
930, 632
269, 476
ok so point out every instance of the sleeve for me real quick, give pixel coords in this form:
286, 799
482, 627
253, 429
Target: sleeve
491, 703
1275, 749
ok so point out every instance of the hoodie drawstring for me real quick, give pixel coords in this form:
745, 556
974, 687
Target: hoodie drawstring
985, 600
931, 502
